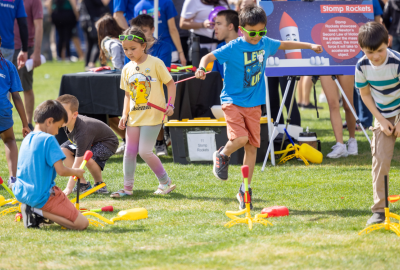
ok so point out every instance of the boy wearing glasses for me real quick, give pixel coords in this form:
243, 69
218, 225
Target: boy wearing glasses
244, 92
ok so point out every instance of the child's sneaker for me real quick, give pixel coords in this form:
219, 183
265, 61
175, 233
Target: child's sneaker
240, 195
11, 181
221, 165
352, 148
377, 217
339, 150
165, 189
103, 190
84, 187
30, 219
121, 149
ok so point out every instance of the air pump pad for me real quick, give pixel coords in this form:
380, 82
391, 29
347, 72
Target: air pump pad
276, 211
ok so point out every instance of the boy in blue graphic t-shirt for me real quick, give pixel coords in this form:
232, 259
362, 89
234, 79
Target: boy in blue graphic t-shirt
244, 88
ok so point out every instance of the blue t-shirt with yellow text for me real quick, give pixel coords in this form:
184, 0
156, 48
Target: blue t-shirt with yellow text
244, 66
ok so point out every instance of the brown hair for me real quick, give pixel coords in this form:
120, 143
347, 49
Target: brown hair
133, 30
252, 15
215, 3
143, 20
371, 36
107, 26
50, 108
71, 100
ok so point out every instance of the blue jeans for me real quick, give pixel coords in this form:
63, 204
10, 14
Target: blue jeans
7, 53
364, 115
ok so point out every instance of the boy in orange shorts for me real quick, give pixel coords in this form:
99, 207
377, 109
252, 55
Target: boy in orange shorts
244, 88
40, 160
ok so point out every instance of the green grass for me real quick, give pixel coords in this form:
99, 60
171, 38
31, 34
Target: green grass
329, 204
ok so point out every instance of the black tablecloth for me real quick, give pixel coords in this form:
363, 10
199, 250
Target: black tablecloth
100, 94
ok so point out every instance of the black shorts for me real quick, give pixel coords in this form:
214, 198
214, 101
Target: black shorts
101, 153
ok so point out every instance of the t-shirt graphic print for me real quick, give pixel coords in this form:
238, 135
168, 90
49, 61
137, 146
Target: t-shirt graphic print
253, 62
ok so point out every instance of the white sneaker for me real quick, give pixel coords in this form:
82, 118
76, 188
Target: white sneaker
352, 148
339, 150
121, 149
165, 189
322, 98
161, 149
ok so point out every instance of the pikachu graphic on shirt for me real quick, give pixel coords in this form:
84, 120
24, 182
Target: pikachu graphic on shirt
140, 92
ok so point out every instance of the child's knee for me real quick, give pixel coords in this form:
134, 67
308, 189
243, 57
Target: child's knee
242, 140
145, 154
81, 223
66, 151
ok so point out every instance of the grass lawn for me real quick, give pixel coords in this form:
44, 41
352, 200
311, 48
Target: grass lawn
329, 204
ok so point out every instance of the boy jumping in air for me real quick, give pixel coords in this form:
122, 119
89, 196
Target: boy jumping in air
244, 88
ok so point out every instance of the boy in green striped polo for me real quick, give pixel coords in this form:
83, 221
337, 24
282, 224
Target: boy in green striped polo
377, 77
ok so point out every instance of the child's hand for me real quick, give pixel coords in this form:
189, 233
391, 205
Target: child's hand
397, 130
122, 123
170, 111
200, 74
387, 127
26, 130
67, 191
79, 172
317, 48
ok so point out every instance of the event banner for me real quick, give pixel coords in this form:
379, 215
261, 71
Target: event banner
332, 24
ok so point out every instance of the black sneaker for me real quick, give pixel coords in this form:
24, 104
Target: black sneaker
377, 217
30, 219
84, 187
221, 165
103, 190
240, 198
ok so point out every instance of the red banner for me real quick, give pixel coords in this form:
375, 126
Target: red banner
346, 8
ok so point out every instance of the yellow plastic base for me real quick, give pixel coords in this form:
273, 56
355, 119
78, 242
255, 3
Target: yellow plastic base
259, 218
388, 225
304, 152
11, 210
130, 214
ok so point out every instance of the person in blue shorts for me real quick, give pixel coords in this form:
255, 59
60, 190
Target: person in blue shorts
10, 83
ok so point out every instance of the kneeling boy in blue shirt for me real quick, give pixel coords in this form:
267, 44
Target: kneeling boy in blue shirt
40, 160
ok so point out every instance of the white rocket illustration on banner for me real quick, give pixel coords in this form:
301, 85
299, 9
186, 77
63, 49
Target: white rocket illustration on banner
289, 31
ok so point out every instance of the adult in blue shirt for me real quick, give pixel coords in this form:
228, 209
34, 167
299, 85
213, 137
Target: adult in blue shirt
226, 29
123, 11
157, 48
167, 30
9, 11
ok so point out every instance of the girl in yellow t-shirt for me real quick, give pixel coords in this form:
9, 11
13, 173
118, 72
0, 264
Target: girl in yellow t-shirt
142, 80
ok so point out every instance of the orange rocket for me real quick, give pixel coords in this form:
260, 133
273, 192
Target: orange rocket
290, 32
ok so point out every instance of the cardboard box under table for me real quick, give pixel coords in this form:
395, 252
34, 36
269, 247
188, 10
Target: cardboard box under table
195, 141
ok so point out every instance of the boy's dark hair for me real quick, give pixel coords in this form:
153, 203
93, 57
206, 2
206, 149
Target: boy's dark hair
143, 20
252, 15
133, 30
371, 36
107, 26
71, 100
50, 108
231, 17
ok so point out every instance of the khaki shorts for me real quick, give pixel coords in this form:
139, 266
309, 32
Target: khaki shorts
241, 122
59, 205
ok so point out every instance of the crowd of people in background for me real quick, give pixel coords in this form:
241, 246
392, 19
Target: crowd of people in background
68, 30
